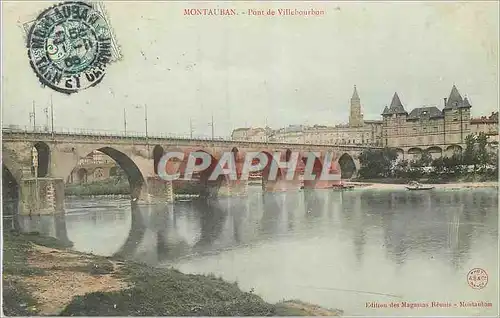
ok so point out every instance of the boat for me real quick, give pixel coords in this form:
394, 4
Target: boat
342, 186
417, 186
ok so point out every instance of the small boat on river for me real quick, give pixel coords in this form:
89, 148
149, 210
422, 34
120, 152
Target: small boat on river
417, 186
342, 186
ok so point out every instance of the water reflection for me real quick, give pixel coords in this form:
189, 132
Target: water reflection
434, 225
415, 237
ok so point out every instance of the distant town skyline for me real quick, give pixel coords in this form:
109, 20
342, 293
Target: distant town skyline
249, 71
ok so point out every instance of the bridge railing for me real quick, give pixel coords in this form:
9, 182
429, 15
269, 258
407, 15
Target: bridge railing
103, 133
142, 135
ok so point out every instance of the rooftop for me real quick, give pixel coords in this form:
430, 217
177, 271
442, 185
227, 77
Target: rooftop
423, 112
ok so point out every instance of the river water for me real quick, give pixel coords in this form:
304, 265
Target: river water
357, 251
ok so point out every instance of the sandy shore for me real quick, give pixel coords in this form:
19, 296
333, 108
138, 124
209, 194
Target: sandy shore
448, 186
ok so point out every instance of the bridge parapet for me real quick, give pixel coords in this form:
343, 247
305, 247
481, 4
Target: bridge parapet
167, 139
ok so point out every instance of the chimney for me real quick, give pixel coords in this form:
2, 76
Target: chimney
445, 102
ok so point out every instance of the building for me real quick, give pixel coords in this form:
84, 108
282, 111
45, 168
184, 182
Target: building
357, 132
438, 131
487, 125
252, 134
96, 166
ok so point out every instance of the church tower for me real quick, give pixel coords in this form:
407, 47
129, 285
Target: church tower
356, 117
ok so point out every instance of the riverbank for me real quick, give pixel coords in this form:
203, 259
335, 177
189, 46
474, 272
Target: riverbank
43, 277
119, 187
110, 187
448, 186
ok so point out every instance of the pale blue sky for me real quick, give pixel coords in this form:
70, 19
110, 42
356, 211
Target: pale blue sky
290, 70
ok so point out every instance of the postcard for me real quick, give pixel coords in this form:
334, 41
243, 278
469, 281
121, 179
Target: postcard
250, 158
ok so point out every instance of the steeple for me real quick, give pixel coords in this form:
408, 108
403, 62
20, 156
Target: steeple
355, 95
356, 117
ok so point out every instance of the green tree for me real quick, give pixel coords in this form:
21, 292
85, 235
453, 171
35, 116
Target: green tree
438, 165
453, 165
377, 163
468, 154
425, 159
401, 169
482, 154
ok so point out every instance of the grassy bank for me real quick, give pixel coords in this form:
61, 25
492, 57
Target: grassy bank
120, 187
42, 278
106, 187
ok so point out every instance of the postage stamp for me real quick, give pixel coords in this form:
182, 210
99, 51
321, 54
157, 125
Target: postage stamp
69, 46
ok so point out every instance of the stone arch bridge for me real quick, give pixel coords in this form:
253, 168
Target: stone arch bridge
59, 153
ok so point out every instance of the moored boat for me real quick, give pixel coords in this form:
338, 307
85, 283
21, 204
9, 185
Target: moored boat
342, 186
417, 186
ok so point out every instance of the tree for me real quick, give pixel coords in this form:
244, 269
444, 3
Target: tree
482, 154
377, 163
438, 165
401, 169
468, 155
426, 159
453, 164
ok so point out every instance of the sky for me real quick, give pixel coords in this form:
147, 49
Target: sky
251, 70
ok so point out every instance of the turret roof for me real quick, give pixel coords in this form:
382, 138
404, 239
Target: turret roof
455, 100
396, 106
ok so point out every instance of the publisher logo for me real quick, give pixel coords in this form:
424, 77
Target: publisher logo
477, 278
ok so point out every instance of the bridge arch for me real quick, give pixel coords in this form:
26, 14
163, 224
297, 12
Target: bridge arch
134, 175
317, 166
43, 155
10, 192
82, 175
14, 168
201, 180
347, 166
158, 152
267, 169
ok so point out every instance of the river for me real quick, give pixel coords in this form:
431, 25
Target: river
357, 251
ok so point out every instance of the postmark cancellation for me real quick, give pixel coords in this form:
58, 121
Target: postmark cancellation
69, 46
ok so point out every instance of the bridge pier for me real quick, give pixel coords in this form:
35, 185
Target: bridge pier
231, 188
281, 185
157, 190
41, 196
